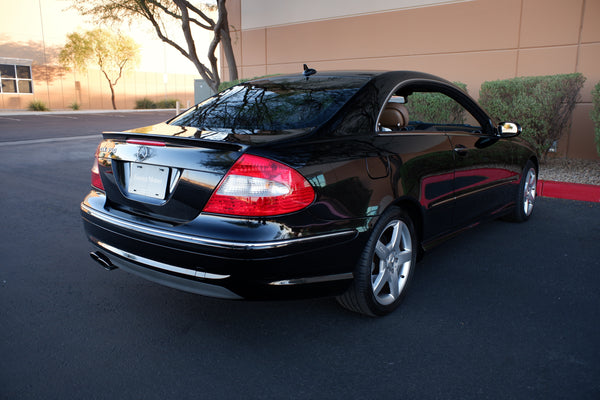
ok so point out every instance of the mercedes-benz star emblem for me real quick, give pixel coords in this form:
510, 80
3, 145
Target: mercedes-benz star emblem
142, 153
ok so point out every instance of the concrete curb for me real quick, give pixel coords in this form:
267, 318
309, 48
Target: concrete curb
569, 191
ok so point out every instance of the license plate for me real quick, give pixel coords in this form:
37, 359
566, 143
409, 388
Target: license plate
148, 180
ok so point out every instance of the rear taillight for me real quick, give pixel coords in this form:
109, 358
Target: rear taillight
96, 180
256, 187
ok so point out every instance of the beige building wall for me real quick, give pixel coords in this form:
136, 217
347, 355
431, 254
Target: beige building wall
471, 41
90, 90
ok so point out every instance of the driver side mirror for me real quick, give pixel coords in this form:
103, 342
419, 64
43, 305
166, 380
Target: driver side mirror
509, 129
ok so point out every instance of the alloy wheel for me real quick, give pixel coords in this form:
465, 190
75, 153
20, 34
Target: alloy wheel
529, 191
392, 261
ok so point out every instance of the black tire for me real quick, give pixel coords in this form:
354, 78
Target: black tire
385, 267
525, 200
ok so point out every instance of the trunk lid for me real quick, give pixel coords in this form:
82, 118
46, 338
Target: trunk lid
163, 172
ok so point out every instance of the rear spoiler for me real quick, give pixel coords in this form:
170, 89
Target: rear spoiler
178, 141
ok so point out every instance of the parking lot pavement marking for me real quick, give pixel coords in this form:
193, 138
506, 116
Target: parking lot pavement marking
48, 140
60, 116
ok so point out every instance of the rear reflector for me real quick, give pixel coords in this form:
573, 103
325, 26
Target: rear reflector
256, 186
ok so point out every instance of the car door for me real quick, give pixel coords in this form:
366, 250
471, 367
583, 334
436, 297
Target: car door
421, 165
483, 171
482, 162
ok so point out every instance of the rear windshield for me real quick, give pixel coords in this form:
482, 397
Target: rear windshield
270, 105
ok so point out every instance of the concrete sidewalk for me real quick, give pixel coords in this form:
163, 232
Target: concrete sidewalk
71, 112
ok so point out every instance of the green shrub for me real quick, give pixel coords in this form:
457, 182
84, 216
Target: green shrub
37, 105
167, 103
147, 104
595, 114
74, 106
436, 107
228, 84
144, 104
542, 105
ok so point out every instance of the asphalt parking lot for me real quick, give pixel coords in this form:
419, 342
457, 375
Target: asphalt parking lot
504, 311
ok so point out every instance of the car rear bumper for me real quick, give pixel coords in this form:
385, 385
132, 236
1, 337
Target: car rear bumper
266, 268
164, 274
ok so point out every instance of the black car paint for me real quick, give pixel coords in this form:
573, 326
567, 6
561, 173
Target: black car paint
446, 181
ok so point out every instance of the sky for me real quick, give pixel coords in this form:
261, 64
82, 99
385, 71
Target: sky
23, 21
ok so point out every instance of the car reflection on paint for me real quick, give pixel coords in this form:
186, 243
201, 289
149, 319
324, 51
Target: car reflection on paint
320, 184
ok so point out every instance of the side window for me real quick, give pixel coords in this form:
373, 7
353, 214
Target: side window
436, 111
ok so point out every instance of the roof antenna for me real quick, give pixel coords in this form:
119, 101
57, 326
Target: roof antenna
308, 71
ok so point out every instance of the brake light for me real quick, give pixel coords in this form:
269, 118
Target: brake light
96, 180
146, 142
256, 186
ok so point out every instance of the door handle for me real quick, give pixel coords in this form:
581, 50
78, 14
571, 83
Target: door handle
461, 150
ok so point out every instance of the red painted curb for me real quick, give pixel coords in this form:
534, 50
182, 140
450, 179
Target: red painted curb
569, 191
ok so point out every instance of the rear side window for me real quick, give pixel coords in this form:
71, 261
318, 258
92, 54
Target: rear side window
435, 108
276, 104
435, 111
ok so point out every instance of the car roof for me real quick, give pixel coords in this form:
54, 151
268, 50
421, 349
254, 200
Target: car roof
395, 75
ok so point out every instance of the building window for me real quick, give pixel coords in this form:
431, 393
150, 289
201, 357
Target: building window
15, 78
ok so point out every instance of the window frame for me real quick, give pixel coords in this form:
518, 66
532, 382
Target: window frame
456, 94
15, 78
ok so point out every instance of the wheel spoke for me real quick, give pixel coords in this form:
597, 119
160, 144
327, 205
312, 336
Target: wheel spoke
394, 283
405, 256
531, 180
381, 250
396, 236
380, 281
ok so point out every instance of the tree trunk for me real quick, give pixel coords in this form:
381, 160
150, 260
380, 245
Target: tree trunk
111, 85
226, 42
112, 95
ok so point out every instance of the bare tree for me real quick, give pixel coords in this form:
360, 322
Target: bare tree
162, 13
112, 53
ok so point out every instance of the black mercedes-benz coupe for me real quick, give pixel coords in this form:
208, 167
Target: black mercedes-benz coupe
315, 184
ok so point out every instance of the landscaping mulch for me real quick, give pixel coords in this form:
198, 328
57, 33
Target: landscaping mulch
571, 170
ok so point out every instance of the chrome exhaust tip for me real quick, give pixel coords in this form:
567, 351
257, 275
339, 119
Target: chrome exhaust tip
103, 260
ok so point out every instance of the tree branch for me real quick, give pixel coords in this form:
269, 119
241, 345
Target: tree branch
159, 13
174, 15
210, 76
161, 35
200, 13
